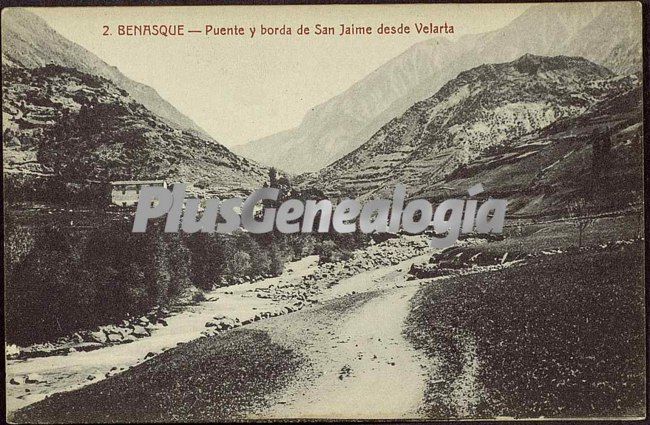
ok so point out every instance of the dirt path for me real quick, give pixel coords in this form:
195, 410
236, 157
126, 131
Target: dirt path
361, 365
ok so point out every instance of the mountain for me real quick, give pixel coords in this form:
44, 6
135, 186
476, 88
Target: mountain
339, 125
66, 132
543, 172
71, 124
481, 109
606, 33
28, 41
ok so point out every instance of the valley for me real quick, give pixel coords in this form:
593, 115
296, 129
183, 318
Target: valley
534, 311
370, 327
303, 285
335, 128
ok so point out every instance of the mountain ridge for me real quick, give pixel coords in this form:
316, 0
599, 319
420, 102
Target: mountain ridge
69, 128
481, 108
28, 41
341, 124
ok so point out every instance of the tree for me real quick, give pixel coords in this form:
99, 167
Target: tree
208, 263
276, 265
327, 251
578, 212
602, 145
273, 177
239, 264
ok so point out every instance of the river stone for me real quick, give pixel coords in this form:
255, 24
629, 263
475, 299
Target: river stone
140, 331
33, 378
114, 337
12, 351
98, 336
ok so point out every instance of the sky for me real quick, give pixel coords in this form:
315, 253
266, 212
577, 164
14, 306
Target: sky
241, 88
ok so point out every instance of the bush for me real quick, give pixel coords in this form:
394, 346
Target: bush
198, 297
70, 281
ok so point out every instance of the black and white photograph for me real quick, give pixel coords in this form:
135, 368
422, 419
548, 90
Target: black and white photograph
396, 212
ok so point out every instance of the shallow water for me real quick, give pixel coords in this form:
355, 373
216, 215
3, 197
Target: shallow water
66, 372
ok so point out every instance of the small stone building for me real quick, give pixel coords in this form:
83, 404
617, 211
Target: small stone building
126, 193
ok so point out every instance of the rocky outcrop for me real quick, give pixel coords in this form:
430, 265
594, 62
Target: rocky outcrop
455, 259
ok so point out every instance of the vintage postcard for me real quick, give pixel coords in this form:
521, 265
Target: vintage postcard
336, 212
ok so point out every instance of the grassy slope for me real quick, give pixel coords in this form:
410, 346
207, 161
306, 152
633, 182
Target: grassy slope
534, 237
209, 379
561, 336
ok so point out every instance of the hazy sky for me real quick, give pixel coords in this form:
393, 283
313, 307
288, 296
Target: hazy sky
242, 88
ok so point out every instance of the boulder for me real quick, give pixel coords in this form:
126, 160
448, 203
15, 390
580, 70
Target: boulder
114, 337
12, 351
34, 378
98, 336
140, 331
110, 329
222, 323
